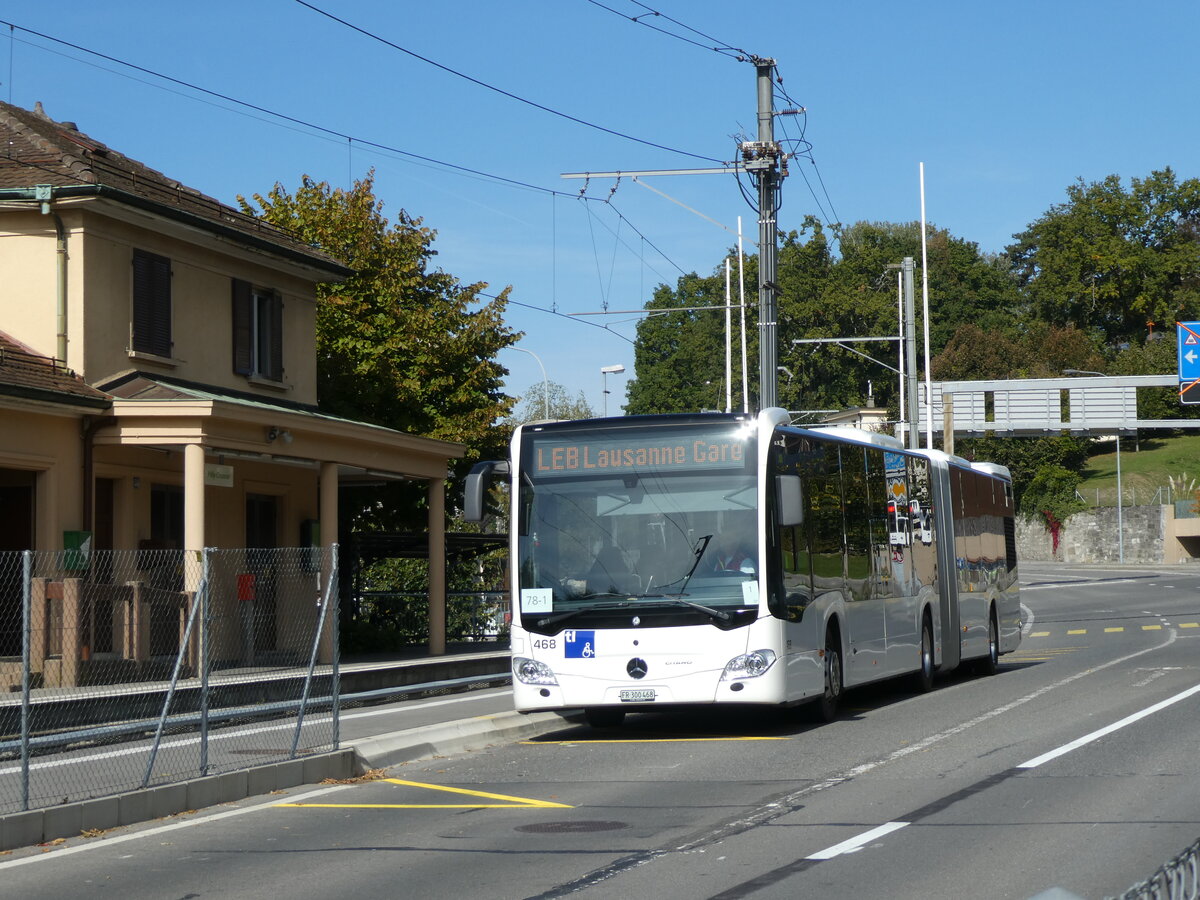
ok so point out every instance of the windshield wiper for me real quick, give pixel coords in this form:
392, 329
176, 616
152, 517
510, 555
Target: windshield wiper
572, 613
707, 610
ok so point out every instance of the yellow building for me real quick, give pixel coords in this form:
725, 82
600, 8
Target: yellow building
175, 407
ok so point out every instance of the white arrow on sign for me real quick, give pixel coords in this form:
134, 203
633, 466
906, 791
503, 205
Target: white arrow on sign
1191, 357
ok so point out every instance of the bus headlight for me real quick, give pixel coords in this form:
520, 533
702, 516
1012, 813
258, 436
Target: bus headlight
748, 665
530, 671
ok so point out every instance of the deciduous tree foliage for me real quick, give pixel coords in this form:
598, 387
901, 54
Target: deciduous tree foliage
401, 343
1115, 259
680, 355
550, 400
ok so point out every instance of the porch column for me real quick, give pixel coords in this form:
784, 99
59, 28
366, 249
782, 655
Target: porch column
328, 497
329, 504
193, 513
437, 566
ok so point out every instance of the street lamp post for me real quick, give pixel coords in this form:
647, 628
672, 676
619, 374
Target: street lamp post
545, 381
605, 371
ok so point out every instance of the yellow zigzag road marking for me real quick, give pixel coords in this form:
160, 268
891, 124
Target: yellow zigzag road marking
515, 802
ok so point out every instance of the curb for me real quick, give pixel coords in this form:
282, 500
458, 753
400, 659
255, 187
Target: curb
448, 738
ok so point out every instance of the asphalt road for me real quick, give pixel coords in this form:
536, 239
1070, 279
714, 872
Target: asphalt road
1075, 767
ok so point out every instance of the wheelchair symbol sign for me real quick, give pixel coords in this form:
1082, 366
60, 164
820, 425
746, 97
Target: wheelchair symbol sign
579, 644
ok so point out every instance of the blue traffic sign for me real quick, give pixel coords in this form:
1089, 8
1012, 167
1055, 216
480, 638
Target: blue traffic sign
1187, 336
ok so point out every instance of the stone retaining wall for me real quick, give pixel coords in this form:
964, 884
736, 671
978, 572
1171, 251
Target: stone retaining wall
1091, 537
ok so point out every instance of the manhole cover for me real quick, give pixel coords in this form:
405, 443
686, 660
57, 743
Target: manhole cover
570, 827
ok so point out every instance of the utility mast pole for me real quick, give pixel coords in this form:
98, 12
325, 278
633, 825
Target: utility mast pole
764, 161
910, 356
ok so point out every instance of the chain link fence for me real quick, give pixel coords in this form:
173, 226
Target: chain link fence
1177, 879
125, 669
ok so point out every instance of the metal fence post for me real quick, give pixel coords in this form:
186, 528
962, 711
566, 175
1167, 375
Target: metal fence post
205, 638
162, 719
312, 663
26, 647
335, 629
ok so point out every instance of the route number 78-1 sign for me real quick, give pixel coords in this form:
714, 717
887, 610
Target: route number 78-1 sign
1187, 336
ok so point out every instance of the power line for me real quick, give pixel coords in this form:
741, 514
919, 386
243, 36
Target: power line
722, 48
501, 91
555, 312
340, 136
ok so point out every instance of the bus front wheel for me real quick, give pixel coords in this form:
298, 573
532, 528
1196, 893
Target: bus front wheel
827, 705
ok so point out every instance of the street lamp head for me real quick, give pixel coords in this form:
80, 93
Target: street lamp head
612, 370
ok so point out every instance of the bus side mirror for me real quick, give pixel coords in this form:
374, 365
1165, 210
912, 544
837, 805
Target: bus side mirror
479, 482
791, 500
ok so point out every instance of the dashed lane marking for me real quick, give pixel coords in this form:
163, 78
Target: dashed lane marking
1116, 629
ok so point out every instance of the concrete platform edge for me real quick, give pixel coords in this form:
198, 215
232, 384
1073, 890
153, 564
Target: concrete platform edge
449, 738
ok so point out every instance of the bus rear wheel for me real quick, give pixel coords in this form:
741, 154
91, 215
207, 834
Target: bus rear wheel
988, 664
604, 716
923, 679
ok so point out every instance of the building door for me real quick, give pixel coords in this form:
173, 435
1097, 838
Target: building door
16, 534
262, 530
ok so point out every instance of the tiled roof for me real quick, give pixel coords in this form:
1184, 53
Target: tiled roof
24, 373
35, 149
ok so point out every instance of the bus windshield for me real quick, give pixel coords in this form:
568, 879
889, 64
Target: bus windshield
638, 517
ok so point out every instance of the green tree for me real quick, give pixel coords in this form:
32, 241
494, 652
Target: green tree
1036, 351
681, 356
1026, 457
1113, 259
400, 344
679, 352
550, 400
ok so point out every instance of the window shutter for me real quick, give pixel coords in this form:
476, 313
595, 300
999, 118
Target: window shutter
243, 328
151, 303
276, 362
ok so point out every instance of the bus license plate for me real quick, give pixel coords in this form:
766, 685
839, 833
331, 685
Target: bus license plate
640, 695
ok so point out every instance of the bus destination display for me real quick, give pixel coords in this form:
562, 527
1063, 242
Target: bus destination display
606, 456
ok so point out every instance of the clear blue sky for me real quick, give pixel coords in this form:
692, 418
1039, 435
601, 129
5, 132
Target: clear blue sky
1006, 104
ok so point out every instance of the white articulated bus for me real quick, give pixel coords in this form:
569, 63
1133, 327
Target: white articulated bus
724, 558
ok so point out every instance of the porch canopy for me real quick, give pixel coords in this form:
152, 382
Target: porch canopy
226, 428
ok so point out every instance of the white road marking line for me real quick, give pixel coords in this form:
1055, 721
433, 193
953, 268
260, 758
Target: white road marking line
856, 843
95, 843
1109, 729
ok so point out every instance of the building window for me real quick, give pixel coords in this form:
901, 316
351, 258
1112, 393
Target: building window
257, 331
151, 304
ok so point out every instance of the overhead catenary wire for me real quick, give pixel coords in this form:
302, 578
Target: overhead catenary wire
334, 134
722, 48
491, 87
